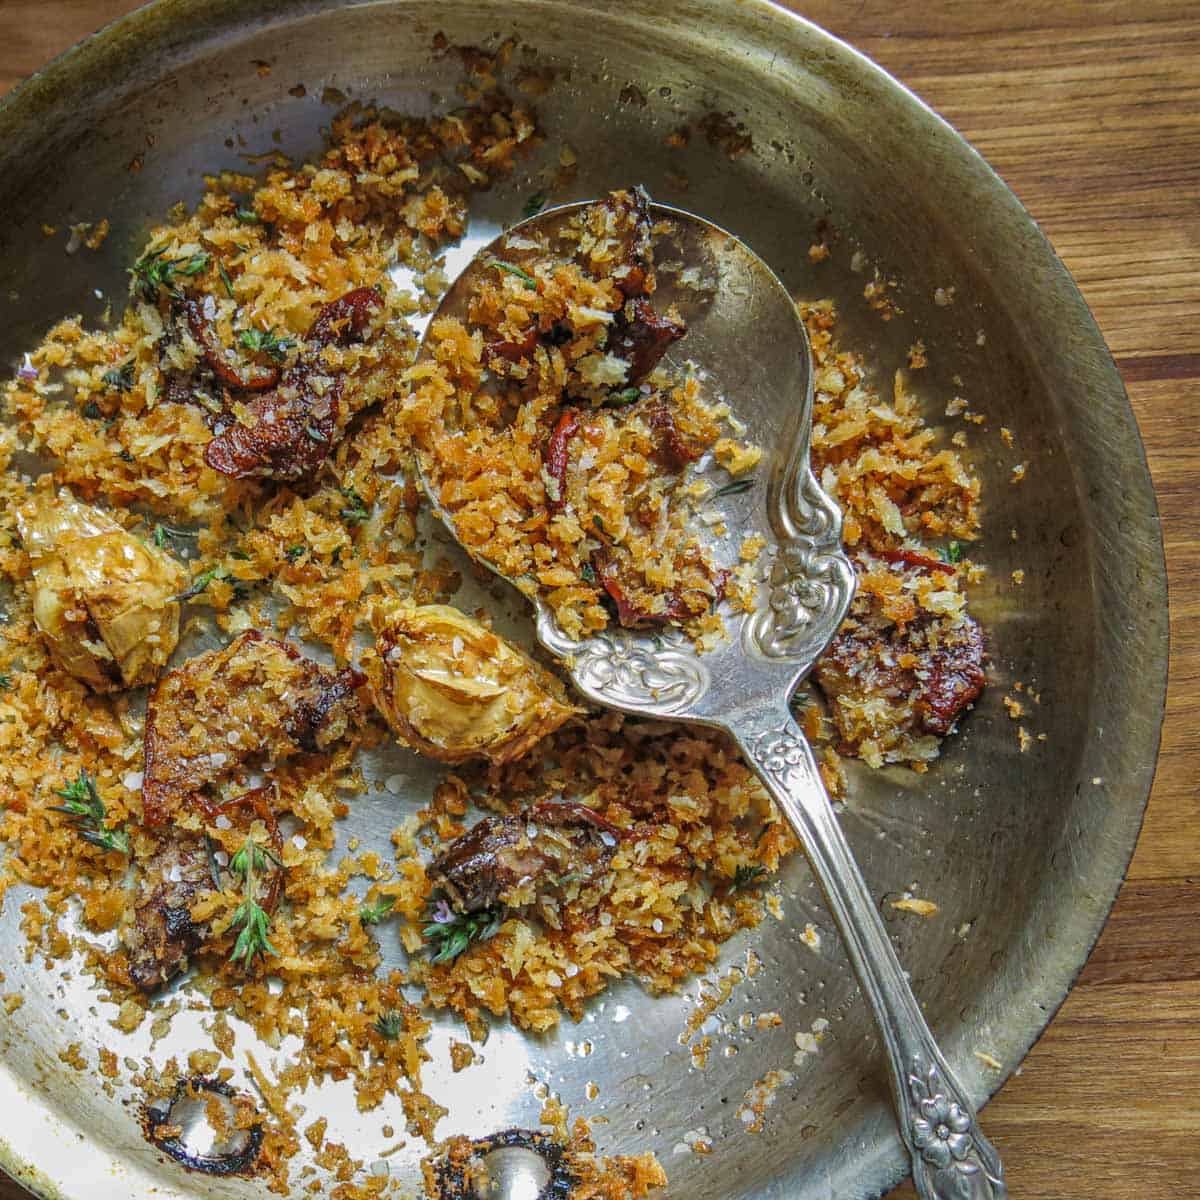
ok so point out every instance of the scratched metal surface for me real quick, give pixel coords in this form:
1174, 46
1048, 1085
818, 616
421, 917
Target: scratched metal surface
1022, 852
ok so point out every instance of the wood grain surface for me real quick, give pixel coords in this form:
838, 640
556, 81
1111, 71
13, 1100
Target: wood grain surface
1090, 110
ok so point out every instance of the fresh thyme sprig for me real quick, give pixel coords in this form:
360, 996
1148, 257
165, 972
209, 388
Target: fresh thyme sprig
951, 553
164, 533
250, 916
266, 342
356, 510
512, 269
83, 805
120, 378
747, 875
372, 914
154, 272
389, 1025
534, 205
449, 933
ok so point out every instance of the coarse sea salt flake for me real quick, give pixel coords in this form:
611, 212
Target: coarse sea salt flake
132, 780
395, 784
223, 822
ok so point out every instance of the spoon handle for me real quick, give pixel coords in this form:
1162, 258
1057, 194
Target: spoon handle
951, 1158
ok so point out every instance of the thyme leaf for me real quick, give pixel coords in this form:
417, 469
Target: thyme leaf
534, 205
356, 510
372, 914
747, 875
82, 803
201, 582
449, 937
951, 553
265, 342
512, 269
629, 395
736, 488
389, 1025
250, 917
119, 378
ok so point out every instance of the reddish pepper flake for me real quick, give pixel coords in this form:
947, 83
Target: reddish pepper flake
511, 351
912, 559
557, 450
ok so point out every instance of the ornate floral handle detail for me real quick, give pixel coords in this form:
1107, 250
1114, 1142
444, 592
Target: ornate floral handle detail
659, 674
951, 1158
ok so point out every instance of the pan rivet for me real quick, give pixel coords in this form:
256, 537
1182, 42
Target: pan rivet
512, 1173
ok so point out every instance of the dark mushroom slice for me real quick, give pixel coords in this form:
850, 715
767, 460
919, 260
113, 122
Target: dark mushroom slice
162, 934
642, 336
630, 221
241, 376
345, 320
929, 670
284, 434
288, 431
512, 860
632, 600
672, 449
255, 699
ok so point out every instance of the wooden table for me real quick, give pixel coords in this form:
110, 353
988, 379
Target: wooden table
1090, 109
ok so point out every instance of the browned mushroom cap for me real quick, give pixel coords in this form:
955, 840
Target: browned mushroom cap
514, 859
255, 698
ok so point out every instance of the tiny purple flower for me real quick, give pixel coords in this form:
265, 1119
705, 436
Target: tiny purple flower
443, 914
27, 370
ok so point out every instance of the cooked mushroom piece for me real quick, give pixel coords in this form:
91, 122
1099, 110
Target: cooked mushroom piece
515, 860
253, 700
103, 600
454, 690
162, 934
930, 670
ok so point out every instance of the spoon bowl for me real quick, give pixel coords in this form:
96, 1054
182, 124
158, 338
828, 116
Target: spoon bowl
745, 333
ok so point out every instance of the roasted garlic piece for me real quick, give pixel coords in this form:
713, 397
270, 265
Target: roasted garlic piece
452, 689
103, 600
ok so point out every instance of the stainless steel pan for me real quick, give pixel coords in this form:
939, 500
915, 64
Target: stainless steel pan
1023, 852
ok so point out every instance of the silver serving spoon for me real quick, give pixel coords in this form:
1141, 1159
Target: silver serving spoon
744, 331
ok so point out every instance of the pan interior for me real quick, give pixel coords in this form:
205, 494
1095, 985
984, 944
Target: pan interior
1022, 849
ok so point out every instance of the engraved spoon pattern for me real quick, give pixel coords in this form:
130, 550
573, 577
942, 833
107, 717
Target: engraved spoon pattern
743, 329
